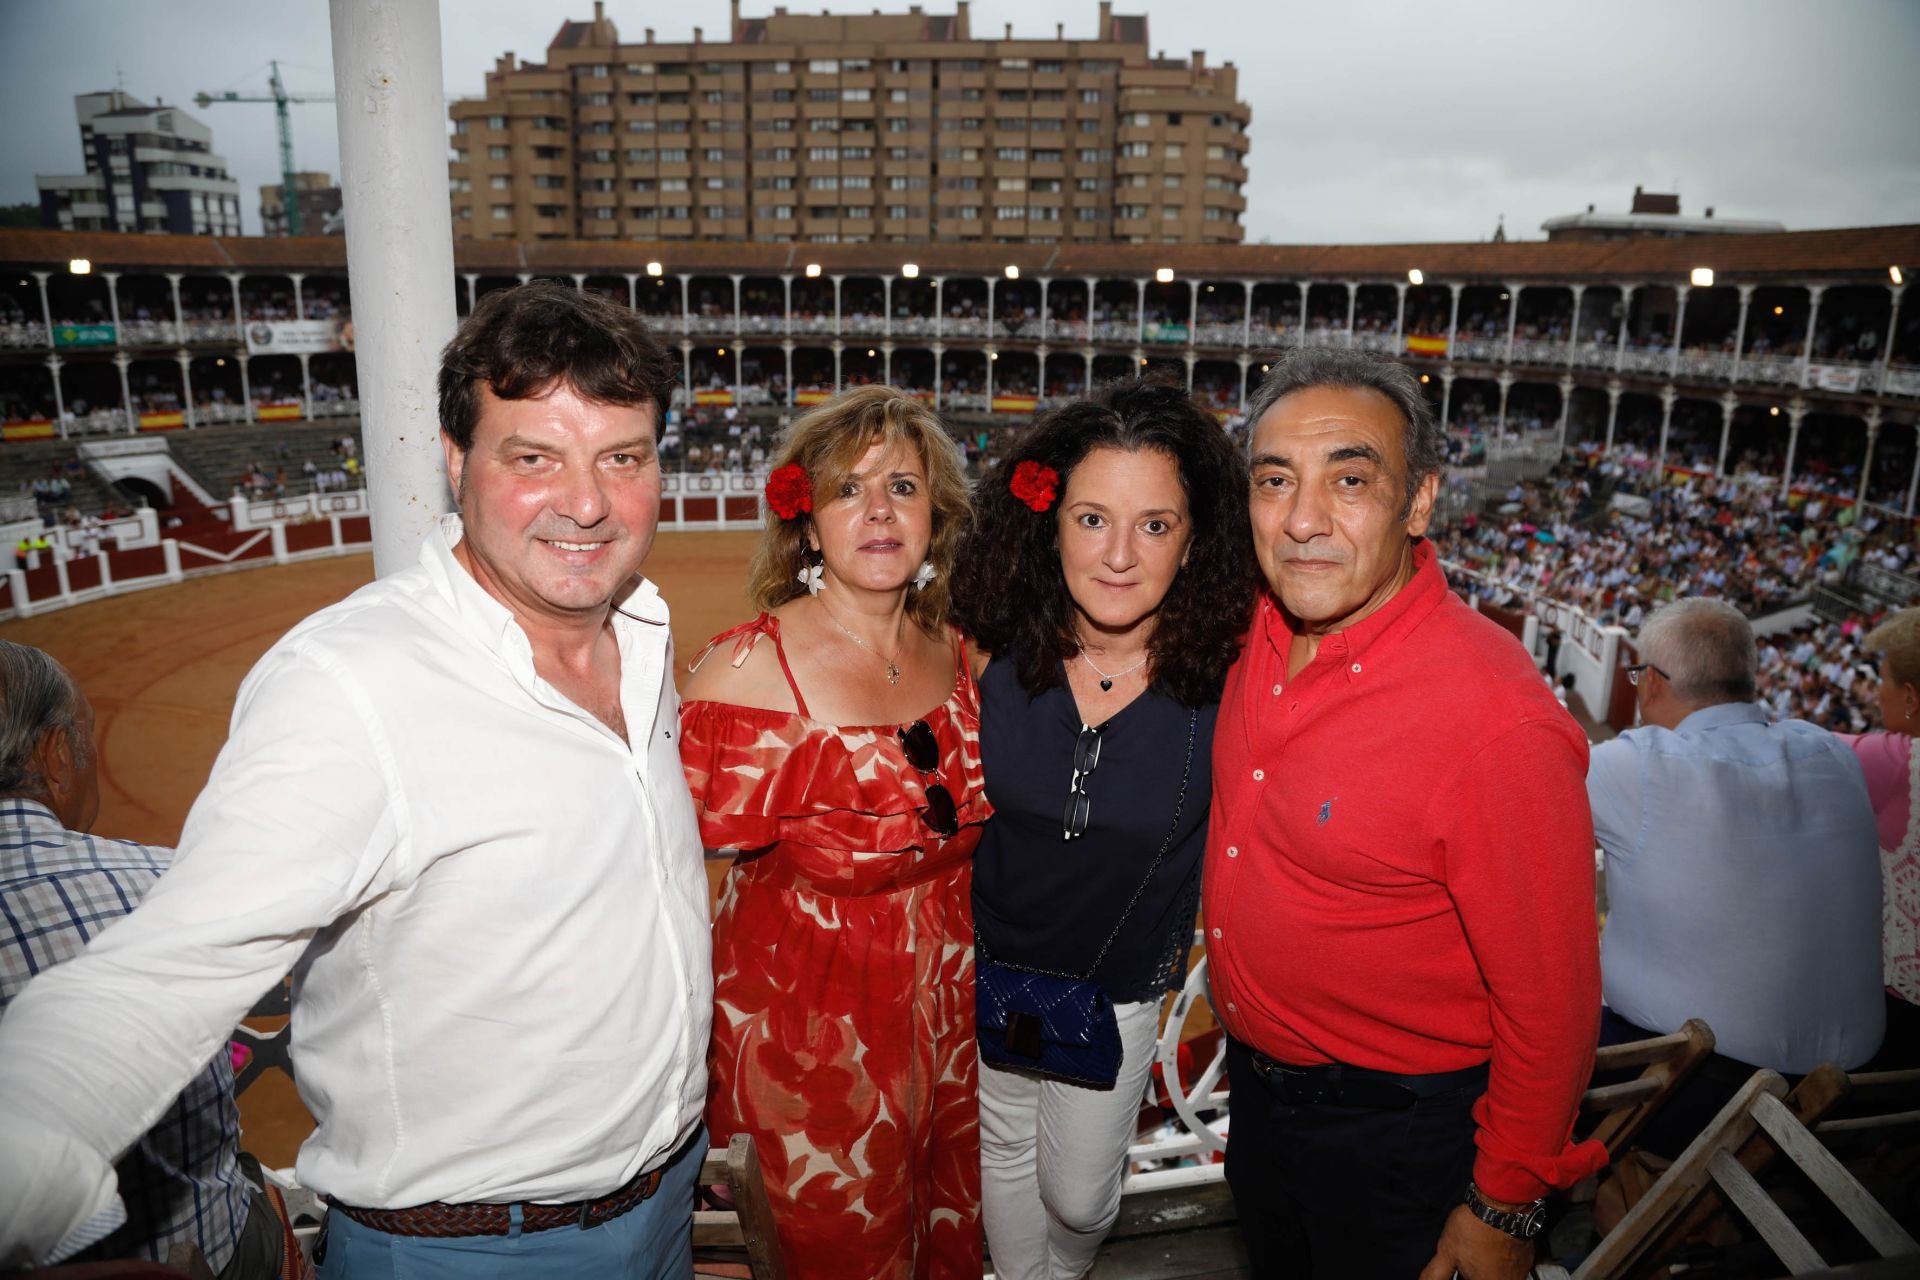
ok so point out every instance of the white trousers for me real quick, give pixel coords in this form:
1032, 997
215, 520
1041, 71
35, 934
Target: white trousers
1052, 1156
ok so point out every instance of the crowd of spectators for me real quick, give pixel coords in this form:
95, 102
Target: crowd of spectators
1567, 538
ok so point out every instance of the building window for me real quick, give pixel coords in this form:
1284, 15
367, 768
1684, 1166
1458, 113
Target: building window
824, 66
1170, 213
1011, 154
823, 182
783, 153
823, 153
1087, 215
1046, 157
498, 182
1089, 95
1011, 184
501, 212
640, 156
677, 211
856, 64
673, 184
715, 211
856, 95
1043, 213
601, 215
673, 155
1134, 150
716, 184
856, 153
714, 155
496, 122
1086, 184
856, 182
968, 212
1089, 126
899, 212
898, 124
1009, 212
783, 211
1175, 151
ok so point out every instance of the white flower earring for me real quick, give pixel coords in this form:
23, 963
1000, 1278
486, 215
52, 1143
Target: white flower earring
925, 576
813, 568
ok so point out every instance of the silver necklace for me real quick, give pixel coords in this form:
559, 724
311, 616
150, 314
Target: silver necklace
1107, 678
893, 668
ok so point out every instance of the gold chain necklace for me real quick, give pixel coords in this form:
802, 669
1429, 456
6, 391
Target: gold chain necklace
893, 668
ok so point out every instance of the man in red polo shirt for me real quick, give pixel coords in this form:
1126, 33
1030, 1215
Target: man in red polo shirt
1399, 876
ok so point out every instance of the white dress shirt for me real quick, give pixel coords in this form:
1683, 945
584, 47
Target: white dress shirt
494, 908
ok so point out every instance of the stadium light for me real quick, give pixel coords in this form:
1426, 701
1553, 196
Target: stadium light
1423, 379
1702, 278
1164, 275
654, 269
872, 352
910, 271
79, 266
1013, 272
1897, 277
1774, 411
1416, 276
723, 351
1779, 311
993, 355
813, 271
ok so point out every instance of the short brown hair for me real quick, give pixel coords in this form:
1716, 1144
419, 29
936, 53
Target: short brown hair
1897, 639
828, 443
521, 342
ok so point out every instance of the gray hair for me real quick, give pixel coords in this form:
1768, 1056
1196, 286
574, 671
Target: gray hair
1308, 367
1704, 647
36, 696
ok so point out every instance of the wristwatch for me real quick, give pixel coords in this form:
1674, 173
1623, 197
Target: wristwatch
1522, 1224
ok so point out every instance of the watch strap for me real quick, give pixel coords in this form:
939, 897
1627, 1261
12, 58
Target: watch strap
1523, 1223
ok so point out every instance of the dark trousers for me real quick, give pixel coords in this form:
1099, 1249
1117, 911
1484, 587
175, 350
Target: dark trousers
1339, 1192
1692, 1106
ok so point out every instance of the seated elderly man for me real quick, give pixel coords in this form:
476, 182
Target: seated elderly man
59, 887
1743, 876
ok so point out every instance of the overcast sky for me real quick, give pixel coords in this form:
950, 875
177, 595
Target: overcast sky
1372, 121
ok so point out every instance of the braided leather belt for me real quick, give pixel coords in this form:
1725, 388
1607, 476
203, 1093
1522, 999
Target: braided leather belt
443, 1221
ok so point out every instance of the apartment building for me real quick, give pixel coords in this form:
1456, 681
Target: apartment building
848, 128
148, 168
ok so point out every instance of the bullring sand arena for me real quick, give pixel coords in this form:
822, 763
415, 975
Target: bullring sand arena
162, 668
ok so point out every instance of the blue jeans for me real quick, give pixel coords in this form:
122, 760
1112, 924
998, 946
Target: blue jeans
652, 1241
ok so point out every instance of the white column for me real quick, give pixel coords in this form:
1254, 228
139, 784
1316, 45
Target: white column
1728, 404
739, 375
1796, 411
186, 389
1893, 328
633, 291
1573, 323
938, 352
1626, 314
1506, 385
1566, 409
787, 349
886, 364
113, 304
1667, 397
686, 312
46, 309
473, 280
1679, 327
299, 298
1446, 396
1087, 353
1740, 332
686, 366
1140, 315
1190, 362
1193, 312
838, 346
1873, 438
120, 362
737, 327
306, 386
988, 331
180, 316
786, 283
939, 320
1400, 320
59, 397
579, 281
837, 324
241, 358
886, 306
1453, 322
1513, 318
393, 170
1046, 326
1613, 412
1306, 287
1246, 330
1813, 321
1245, 361
1913, 485
1092, 290
1353, 306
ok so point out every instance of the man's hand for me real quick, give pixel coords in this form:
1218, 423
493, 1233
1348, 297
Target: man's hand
1476, 1251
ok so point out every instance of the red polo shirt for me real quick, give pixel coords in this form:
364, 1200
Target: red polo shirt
1399, 873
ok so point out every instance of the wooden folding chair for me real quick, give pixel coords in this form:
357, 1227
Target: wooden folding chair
737, 1243
1625, 1108
1719, 1170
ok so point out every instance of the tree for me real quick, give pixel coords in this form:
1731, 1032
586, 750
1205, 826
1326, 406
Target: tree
19, 215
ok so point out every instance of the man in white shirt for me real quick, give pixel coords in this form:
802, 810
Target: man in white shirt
452, 804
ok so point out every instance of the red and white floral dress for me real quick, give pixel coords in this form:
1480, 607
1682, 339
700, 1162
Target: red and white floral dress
843, 1032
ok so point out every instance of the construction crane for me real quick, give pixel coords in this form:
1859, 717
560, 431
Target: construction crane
280, 99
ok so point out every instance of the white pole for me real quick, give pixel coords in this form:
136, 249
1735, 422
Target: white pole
393, 173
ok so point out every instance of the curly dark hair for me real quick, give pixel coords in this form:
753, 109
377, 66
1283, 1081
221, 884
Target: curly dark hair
1011, 596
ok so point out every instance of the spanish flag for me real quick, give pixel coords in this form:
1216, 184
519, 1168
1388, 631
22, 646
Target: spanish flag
162, 421
1420, 344
1015, 404
285, 411
35, 429
812, 397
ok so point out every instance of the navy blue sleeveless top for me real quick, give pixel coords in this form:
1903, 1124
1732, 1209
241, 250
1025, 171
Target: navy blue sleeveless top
1045, 902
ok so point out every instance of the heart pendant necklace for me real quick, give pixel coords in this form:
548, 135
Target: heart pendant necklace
1107, 678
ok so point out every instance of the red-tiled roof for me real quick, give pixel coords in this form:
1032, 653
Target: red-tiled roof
1860, 254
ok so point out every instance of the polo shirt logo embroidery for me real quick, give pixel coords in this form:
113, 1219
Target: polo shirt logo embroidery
1326, 810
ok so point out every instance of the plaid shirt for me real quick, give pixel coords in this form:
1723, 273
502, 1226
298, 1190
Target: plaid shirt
58, 889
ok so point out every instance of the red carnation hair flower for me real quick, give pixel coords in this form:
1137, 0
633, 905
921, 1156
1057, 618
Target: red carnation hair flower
1035, 484
789, 492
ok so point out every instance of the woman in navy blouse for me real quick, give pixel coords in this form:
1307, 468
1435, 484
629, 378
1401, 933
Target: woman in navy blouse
1110, 575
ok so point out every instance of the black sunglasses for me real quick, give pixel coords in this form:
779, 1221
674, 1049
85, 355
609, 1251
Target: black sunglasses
1633, 672
1086, 758
923, 753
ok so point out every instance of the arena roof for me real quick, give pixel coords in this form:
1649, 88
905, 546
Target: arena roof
1850, 255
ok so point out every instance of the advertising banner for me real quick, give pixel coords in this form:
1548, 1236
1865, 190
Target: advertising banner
1902, 382
83, 335
1834, 377
1164, 332
298, 337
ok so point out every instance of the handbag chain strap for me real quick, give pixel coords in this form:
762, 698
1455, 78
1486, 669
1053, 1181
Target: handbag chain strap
1173, 828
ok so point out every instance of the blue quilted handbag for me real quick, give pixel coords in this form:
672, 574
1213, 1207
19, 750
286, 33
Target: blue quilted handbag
1056, 1024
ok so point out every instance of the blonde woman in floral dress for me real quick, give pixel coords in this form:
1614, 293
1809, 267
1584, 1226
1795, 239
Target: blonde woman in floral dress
833, 741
